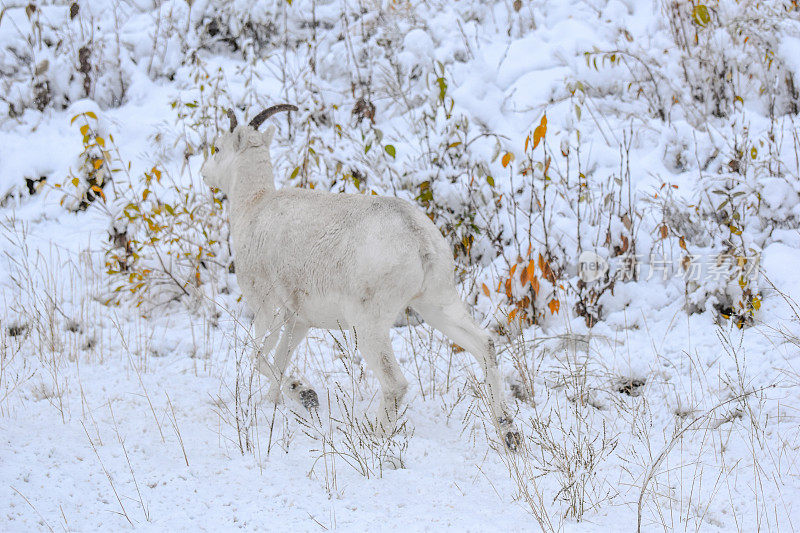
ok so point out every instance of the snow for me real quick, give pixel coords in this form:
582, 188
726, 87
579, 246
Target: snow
116, 417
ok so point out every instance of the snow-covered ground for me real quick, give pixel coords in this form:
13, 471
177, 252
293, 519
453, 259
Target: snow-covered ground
663, 401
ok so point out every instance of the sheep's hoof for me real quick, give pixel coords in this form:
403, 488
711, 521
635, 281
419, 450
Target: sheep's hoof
309, 399
305, 395
513, 440
512, 437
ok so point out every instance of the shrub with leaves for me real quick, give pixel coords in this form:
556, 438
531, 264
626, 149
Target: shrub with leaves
165, 239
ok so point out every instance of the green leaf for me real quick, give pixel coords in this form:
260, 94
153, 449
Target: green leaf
389, 149
442, 83
490, 181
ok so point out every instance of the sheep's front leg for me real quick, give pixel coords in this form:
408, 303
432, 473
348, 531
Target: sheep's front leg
264, 343
376, 348
293, 333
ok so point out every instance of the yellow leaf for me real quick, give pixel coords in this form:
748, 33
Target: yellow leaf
91, 114
700, 15
84, 129
506, 159
97, 163
75, 181
100, 141
485, 290
145, 194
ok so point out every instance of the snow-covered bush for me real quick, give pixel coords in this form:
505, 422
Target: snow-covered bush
59, 54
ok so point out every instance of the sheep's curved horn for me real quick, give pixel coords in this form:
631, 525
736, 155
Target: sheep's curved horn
232, 117
268, 112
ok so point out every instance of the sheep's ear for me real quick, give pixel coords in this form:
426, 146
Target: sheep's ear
268, 135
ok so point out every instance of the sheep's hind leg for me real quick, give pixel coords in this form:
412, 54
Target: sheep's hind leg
453, 320
376, 348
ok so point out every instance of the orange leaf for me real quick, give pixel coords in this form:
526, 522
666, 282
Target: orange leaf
508, 288
664, 231
511, 272
485, 290
547, 272
506, 159
682, 243
527, 140
97, 163
535, 285
540, 131
511, 315
624, 247
99, 191
523, 277
554, 305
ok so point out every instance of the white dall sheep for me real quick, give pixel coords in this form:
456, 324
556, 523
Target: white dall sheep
307, 258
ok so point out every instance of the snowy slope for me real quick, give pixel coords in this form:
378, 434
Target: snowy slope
660, 402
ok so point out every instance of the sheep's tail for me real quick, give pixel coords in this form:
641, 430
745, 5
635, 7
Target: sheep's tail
429, 249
